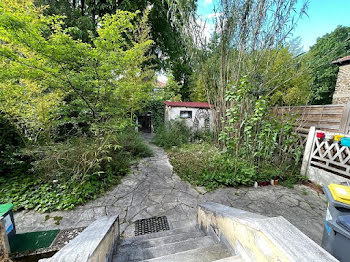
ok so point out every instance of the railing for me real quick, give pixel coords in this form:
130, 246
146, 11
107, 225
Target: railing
325, 161
331, 156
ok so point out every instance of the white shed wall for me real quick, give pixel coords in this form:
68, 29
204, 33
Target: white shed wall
172, 113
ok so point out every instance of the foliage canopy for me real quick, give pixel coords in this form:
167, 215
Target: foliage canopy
327, 49
48, 75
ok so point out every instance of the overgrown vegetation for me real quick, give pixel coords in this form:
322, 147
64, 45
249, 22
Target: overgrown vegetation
246, 67
74, 74
255, 145
176, 133
203, 164
69, 173
69, 104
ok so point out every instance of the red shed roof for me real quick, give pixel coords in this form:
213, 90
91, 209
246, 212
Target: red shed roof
342, 60
187, 104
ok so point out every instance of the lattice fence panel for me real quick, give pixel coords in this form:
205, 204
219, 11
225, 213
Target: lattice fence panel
331, 156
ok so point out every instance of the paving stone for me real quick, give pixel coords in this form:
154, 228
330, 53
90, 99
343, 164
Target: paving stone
153, 189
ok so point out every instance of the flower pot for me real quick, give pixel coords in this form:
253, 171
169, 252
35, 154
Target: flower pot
345, 141
329, 137
338, 137
320, 135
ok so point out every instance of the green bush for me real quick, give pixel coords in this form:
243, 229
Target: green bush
174, 133
132, 142
202, 164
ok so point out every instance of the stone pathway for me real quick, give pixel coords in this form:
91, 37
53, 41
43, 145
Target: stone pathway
152, 189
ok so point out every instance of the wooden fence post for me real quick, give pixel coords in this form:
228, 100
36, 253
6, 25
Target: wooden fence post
345, 119
308, 150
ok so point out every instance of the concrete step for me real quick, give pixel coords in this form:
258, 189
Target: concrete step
202, 254
166, 233
236, 258
153, 242
135, 253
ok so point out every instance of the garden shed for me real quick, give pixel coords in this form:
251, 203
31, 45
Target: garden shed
197, 115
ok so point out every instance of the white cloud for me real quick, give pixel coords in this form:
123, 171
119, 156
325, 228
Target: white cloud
205, 28
208, 2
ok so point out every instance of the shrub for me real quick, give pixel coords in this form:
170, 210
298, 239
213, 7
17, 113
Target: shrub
132, 142
69, 173
76, 157
174, 133
205, 165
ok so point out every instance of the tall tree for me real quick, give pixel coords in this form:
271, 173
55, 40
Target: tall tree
46, 74
324, 74
249, 35
169, 51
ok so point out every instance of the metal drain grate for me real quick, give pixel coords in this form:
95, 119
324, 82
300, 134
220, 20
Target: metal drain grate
151, 225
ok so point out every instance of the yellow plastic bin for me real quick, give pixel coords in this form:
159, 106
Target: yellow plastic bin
340, 193
336, 234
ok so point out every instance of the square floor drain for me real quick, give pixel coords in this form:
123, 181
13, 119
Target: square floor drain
151, 225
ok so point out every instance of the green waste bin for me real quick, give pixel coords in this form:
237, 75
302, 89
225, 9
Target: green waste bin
336, 234
6, 216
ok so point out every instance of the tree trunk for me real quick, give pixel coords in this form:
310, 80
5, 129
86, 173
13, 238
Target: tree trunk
82, 7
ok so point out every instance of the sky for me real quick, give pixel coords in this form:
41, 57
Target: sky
323, 17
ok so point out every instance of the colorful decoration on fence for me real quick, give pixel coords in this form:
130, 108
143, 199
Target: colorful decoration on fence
345, 141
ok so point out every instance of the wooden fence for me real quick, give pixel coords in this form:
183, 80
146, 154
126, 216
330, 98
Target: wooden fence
331, 118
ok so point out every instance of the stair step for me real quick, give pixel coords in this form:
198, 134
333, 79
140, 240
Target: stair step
236, 258
202, 254
166, 233
153, 242
136, 253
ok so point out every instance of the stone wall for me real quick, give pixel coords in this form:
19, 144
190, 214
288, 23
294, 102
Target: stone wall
342, 88
4, 248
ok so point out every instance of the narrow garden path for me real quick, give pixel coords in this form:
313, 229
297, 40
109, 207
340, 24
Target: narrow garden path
152, 189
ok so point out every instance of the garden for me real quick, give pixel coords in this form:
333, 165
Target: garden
75, 76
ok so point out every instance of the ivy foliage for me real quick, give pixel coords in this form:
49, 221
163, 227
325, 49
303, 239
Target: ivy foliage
327, 49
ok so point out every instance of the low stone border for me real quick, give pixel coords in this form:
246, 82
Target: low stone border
96, 243
258, 238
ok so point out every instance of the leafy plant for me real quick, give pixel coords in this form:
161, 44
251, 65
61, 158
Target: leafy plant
202, 164
174, 133
67, 174
254, 134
